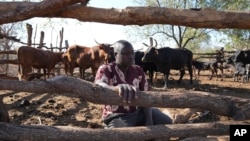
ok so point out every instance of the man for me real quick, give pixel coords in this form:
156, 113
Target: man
128, 78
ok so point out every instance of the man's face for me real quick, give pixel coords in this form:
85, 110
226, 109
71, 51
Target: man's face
125, 56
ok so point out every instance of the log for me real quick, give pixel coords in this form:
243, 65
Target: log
63, 133
197, 18
8, 52
234, 107
32, 9
15, 62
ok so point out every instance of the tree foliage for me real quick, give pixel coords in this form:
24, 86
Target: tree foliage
172, 35
237, 39
196, 39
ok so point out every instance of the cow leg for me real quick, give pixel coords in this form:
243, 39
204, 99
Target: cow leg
212, 74
151, 74
94, 70
236, 76
216, 73
190, 71
221, 70
182, 72
71, 68
45, 73
81, 73
165, 81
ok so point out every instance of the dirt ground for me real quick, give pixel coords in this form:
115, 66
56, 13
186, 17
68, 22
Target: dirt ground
67, 110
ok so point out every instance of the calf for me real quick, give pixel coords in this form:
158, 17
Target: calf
29, 57
211, 65
168, 58
87, 57
240, 69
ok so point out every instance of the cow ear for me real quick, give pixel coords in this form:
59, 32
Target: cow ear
156, 52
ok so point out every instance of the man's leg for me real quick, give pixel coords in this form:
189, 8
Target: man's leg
123, 120
161, 118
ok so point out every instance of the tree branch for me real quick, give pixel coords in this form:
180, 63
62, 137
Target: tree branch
203, 18
63, 133
223, 105
23, 11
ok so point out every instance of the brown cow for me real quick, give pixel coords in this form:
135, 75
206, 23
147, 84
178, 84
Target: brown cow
87, 57
29, 57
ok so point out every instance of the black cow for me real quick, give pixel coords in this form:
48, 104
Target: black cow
240, 68
210, 65
242, 56
147, 66
168, 58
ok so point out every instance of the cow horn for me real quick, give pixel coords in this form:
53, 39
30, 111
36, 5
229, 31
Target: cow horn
155, 43
138, 49
151, 41
97, 42
145, 44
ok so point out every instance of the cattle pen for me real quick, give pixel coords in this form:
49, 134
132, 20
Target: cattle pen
54, 112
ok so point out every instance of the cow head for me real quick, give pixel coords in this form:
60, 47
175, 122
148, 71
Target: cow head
150, 52
105, 51
230, 60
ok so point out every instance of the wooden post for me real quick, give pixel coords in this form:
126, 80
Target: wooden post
29, 31
41, 39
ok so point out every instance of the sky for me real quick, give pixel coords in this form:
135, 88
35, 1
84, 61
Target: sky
84, 33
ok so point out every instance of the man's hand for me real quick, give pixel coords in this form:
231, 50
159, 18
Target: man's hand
127, 92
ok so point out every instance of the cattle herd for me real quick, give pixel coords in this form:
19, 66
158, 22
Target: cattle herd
151, 60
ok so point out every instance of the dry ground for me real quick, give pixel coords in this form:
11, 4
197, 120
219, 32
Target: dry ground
71, 110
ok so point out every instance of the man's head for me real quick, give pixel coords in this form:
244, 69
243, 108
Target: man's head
124, 53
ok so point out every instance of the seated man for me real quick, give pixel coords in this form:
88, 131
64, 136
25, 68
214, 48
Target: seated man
128, 78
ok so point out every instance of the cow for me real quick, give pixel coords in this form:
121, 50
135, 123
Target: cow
87, 57
30, 57
147, 66
242, 56
210, 65
240, 69
167, 58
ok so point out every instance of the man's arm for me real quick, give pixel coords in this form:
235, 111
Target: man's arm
126, 91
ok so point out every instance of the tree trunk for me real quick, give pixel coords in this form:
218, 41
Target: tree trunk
66, 133
234, 107
197, 18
